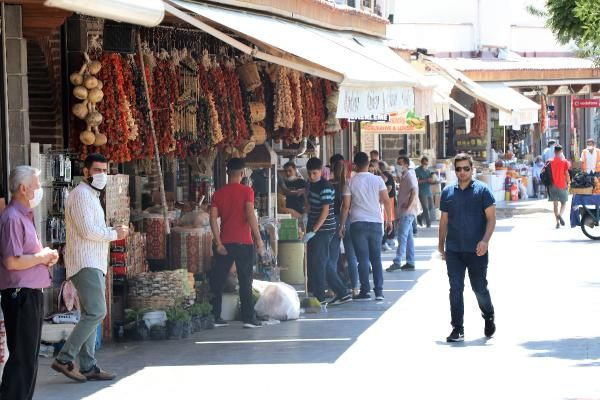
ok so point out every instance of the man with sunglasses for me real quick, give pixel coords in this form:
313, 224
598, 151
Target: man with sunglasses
466, 226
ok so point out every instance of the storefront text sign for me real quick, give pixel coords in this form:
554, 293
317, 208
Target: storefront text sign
400, 122
356, 103
586, 103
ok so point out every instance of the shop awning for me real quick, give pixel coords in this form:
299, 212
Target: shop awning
525, 111
373, 79
515, 109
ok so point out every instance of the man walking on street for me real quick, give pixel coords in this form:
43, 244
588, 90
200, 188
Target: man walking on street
408, 194
466, 227
86, 260
23, 275
558, 192
590, 158
363, 197
548, 153
234, 204
425, 195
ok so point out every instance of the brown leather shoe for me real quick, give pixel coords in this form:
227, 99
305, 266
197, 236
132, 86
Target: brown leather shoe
97, 374
68, 369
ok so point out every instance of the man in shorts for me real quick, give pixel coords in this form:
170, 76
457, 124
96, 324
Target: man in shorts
558, 191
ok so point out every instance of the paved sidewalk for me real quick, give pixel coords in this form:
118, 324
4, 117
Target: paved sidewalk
545, 285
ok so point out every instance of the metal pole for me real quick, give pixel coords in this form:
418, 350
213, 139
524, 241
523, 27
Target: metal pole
163, 198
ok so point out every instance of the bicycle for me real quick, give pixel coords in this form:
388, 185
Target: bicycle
590, 221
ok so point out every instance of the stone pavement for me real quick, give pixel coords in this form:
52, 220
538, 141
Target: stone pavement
545, 285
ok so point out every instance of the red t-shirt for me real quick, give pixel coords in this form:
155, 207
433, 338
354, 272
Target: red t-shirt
560, 169
231, 201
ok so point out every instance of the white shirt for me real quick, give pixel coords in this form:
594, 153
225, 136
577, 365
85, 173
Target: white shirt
548, 154
364, 188
88, 237
590, 160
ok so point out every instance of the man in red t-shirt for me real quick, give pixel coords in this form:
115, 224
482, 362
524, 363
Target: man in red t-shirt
558, 191
234, 205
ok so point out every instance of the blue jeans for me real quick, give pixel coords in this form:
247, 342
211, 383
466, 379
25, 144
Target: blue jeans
406, 243
351, 258
333, 278
366, 237
457, 264
318, 257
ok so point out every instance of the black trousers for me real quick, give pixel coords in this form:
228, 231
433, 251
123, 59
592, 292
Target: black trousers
243, 255
23, 314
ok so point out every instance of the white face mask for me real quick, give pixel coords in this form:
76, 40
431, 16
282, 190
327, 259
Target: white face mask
591, 147
38, 194
99, 181
400, 169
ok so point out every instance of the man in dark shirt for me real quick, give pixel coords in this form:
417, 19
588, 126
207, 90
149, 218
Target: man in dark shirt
466, 226
293, 187
320, 230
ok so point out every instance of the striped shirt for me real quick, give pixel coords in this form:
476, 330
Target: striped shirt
320, 194
88, 237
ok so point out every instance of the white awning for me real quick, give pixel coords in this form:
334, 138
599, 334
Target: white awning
515, 109
373, 79
525, 111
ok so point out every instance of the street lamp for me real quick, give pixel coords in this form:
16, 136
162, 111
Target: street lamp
146, 13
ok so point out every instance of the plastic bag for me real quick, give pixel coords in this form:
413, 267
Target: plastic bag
277, 300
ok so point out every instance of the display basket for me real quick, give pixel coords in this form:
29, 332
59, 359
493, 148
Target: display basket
589, 190
249, 75
152, 303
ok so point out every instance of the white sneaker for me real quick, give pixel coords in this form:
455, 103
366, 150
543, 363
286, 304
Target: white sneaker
385, 247
66, 318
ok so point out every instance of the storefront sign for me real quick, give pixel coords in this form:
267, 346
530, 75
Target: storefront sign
586, 103
356, 103
400, 122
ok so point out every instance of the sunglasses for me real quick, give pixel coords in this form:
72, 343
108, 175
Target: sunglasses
465, 169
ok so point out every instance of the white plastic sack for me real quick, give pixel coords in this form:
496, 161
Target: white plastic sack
277, 300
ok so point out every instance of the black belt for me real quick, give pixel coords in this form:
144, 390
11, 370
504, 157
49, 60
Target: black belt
14, 292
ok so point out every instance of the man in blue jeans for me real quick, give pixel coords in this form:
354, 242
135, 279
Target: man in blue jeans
320, 230
408, 195
466, 226
363, 197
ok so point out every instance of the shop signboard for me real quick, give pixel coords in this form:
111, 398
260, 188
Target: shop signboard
400, 122
357, 102
586, 103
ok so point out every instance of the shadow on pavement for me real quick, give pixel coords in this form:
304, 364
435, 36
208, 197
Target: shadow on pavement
315, 338
481, 342
578, 349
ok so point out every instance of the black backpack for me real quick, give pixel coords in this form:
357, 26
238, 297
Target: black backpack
546, 175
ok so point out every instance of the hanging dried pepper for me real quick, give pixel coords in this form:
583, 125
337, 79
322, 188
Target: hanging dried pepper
164, 97
218, 89
109, 106
296, 90
319, 107
239, 124
308, 108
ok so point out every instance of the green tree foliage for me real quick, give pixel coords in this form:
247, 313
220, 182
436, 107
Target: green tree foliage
574, 20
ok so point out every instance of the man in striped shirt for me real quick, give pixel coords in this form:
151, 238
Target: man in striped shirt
320, 230
86, 260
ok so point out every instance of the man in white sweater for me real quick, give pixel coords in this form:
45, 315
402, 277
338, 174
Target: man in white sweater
86, 261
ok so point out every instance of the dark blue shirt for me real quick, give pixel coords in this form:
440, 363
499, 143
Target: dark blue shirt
320, 194
466, 215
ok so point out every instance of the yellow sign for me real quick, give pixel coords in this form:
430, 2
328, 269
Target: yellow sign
400, 122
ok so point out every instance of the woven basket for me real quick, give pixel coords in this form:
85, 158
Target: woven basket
259, 134
247, 147
258, 111
153, 303
581, 190
248, 73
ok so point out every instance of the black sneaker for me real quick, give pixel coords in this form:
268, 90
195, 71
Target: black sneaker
253, 324
340, 300
561, 220
457, 335
407, 267
219, 322
393, 267
362, 297
490, 327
